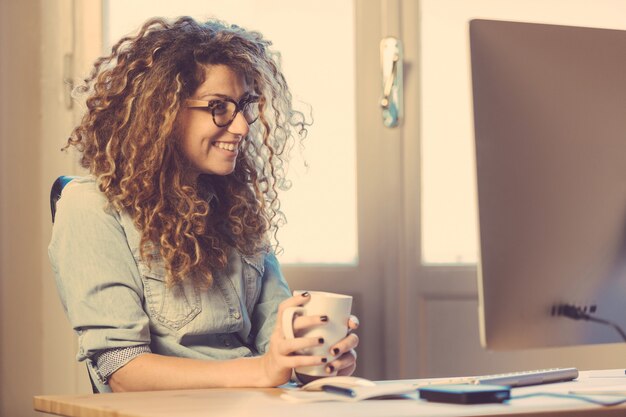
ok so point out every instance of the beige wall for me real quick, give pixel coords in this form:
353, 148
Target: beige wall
20, 199
36, 343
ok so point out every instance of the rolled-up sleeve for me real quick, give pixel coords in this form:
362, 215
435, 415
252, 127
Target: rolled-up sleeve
274, 290
96, 275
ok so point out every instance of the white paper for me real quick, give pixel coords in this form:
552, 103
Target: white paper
361, 393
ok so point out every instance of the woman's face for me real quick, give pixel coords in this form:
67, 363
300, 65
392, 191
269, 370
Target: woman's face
209, 148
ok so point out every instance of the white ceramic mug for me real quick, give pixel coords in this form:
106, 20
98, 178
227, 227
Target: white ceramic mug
337, 307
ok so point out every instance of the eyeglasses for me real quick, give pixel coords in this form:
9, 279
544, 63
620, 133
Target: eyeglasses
225, 109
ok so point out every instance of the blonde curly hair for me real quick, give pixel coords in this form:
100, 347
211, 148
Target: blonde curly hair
129, 139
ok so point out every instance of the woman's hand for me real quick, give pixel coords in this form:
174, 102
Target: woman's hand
280, 358
345, 364
282, 355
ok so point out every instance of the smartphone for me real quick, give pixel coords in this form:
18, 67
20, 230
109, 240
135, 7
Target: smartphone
466, 393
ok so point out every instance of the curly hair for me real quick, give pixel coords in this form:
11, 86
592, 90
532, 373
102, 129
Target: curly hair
129, 140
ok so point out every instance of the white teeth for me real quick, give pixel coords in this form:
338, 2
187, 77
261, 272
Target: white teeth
226, 146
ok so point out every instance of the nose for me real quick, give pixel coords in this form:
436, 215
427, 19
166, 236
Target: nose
239, 126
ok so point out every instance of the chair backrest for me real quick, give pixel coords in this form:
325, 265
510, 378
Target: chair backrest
55, 192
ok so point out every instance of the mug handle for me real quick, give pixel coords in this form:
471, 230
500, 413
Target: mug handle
288, 316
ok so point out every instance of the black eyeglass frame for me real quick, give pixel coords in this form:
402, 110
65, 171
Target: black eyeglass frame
239, 107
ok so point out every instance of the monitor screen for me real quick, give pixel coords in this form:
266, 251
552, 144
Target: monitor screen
550, 137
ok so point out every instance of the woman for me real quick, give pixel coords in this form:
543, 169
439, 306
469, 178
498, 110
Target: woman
162, 255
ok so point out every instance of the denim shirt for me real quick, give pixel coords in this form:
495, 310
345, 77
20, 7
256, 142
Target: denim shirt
114, 299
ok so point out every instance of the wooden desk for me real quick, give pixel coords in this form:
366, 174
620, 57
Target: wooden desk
266, 402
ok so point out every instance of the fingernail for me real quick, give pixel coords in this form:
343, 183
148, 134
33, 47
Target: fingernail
321, 340
330, 369
336, 351
305, 294
324, 318
324, 360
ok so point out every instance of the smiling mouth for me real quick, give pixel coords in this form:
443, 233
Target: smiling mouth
227, 146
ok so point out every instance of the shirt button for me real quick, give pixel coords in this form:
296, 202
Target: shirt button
237, 315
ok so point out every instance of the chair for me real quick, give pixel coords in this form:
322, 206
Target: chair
55, 195
55, 192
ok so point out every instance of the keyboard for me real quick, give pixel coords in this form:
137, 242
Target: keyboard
511, 379
524, 378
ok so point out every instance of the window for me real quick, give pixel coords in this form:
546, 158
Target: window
449, 210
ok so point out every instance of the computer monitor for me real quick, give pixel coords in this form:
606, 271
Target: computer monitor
550, 136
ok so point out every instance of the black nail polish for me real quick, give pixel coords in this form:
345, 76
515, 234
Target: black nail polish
324, 318
324, 360
336, 351
330, 368
305, 294
321, 340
